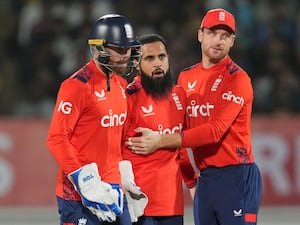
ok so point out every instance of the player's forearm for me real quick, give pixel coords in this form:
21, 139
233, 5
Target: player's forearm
63, 152
149, 141
170, 141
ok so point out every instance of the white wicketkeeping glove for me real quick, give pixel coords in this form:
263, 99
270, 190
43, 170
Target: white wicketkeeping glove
101, 198
137, 200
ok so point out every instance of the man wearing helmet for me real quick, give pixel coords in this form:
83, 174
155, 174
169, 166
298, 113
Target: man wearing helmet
85, 131
113, 45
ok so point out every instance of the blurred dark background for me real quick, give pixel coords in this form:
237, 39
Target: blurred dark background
44, 41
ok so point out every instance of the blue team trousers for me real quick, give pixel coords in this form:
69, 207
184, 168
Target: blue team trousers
228, 196
74, 213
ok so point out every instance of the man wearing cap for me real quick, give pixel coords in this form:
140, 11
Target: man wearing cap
219, 107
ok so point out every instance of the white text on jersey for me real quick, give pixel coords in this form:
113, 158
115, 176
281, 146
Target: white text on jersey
194, 110
65, 107
232, 98
173, 130
112, 120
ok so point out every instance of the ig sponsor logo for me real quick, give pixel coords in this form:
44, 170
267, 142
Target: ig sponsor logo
65, 107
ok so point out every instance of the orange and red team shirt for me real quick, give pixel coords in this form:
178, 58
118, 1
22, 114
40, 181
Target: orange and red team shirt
87, 126
159, 173
219, 106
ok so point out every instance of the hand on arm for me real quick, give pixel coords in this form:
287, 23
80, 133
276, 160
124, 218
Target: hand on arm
149, 141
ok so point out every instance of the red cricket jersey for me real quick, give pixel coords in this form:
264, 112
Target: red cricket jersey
87, 126
159, 173
219, 106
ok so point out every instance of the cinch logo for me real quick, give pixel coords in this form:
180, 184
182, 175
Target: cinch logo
87, 178
194, 110
112, 119
65, 107
232, 98
173, 130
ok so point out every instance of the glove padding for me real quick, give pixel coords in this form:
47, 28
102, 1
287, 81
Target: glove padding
137, 200
103, 199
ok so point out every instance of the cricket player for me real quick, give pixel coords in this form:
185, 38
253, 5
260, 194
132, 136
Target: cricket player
86, 128
157, 103
219, 107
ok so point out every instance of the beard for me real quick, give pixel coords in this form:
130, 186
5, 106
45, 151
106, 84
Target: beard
157, 87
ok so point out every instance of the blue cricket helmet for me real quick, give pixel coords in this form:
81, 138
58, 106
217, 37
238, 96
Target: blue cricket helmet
113, 30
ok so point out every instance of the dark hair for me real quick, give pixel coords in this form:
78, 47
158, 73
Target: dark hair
150, 38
